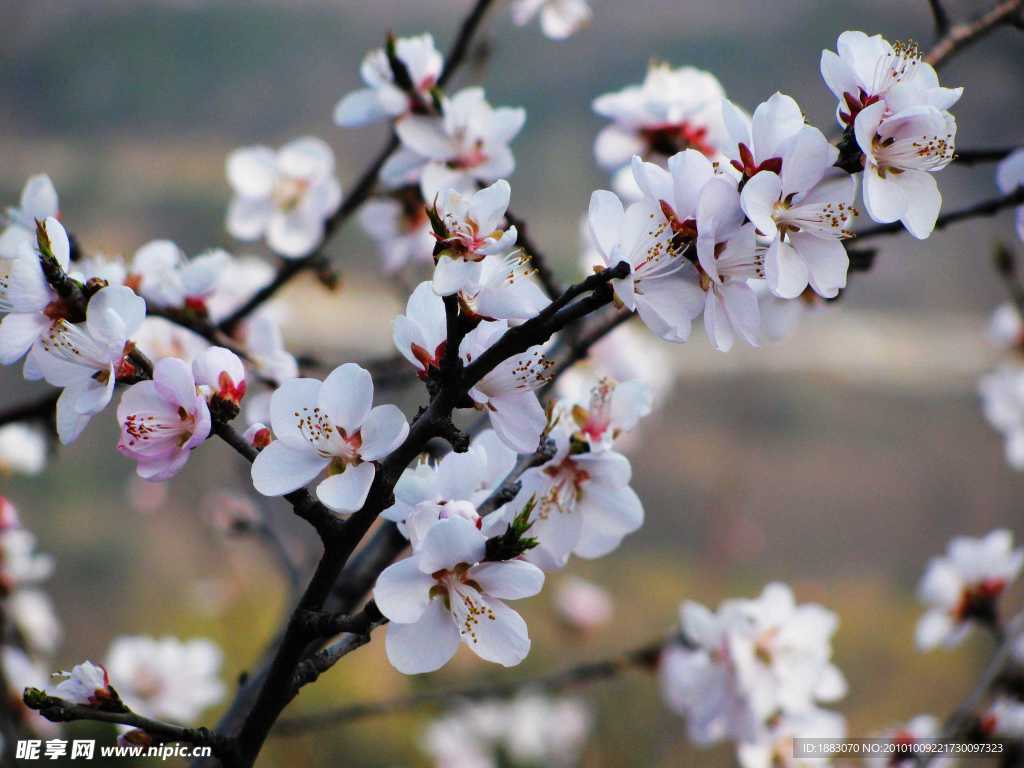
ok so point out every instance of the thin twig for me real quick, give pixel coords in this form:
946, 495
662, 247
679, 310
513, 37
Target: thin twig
986, 155
60, 711
940, 16
537, 258
36, 410
643, 657
967, 32
984, 208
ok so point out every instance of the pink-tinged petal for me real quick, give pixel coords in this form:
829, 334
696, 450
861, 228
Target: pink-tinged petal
249, 217
162, 469
279, 469
450, 542
508, 580
359, 108
923, 202
402, 591
605, 221
884, 199
827, 263
144, 398
406, 333
519, 419
70, 423
18, 332
500, 635
425, 646
347, 492
785, 269
291, 404
174, 382
758, 199
384, 430
252, 171
346, 396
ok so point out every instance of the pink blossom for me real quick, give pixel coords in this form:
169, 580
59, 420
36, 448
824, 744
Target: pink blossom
163, 420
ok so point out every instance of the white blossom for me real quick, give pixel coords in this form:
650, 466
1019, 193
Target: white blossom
38, 203
383, 98
559, 19
285, 196
329, 425
444, 594
964, 585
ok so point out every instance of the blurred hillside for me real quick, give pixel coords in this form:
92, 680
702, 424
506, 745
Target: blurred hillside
839, 460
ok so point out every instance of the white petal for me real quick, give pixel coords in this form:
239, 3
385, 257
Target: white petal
358, 108
884, 199
668, 305
252, 171
426, 136
18, 332
425, 646
758, 199
605, 221
295, 234
827, 263
487, 207
785, 269
346, 396
39, 198
70, 422
923, 202
402, 591
346, 492
451, 542
293, 401
775, 121
509, 580
384, 430
519, 419
279, 469
173, 380
500, 636
452, 275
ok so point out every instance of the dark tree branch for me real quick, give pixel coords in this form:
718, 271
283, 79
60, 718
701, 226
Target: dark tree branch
60, 711
37, 410
941, 17
985, 208
986, 155
644, 657
965, 33
537, 259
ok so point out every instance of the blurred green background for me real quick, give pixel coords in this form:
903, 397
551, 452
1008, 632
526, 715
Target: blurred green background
839, 460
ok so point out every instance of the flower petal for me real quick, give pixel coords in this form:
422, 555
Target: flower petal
280, 469
347, 492
508, 580
402, 591
425, 646
450, 542
346, 396
384, 430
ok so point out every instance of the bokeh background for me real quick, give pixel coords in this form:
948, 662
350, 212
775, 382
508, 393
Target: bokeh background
838, 460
